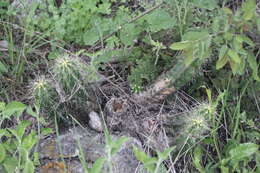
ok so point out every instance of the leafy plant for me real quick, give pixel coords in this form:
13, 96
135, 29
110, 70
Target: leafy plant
7, 111
153, 164
235, 47
16, 151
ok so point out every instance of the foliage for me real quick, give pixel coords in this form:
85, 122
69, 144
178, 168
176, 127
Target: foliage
153, 164
17, 143
234, 45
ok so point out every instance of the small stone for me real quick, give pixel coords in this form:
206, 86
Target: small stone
95, 121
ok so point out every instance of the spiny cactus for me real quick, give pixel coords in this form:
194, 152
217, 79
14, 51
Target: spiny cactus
67, 86
190, 126
42, 91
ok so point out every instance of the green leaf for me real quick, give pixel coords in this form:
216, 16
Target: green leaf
10, 164
206, 4
97, 167
29, 141
2, 153
129, 33
249, 7
244, 38
221, 62
227, 10
36, 160
181, 45
29, 167
149, 162
46, 131
20, 129
251, 59
196, 35
234, 66
104, 8
117, 144
237, 45
222, 51
234, 56
91, 36
164, 155
189, 56
12, 108
159, 19
243, 151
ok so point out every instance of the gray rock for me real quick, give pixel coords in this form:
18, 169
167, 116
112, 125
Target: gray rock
24, 4
93, 147
95, 121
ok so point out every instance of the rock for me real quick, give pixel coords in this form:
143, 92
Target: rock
93, 146
24, 4
3, 45
95, 121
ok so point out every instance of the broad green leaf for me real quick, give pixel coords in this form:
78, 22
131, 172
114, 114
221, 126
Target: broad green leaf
2, 153
36, 160
228, 36
117, 144
227, 10
20, 129
29, 141
195, 35
206, 4
180, 45
234, 56
243, 151
10, 164
29, 167
242, 66
104, 8
189, 56
164, 155
251, 59
243, 38
234, 66
12, 108
159, 19
31, 112
149, 162
46, 131
222, 51
249, 7
91, 36
129, 33
98, 165
221, 62
237, 45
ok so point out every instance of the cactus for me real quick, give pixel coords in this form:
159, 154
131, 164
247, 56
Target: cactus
175, 78
43, 92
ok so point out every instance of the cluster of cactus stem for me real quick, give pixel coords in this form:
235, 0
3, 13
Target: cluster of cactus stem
66, 83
